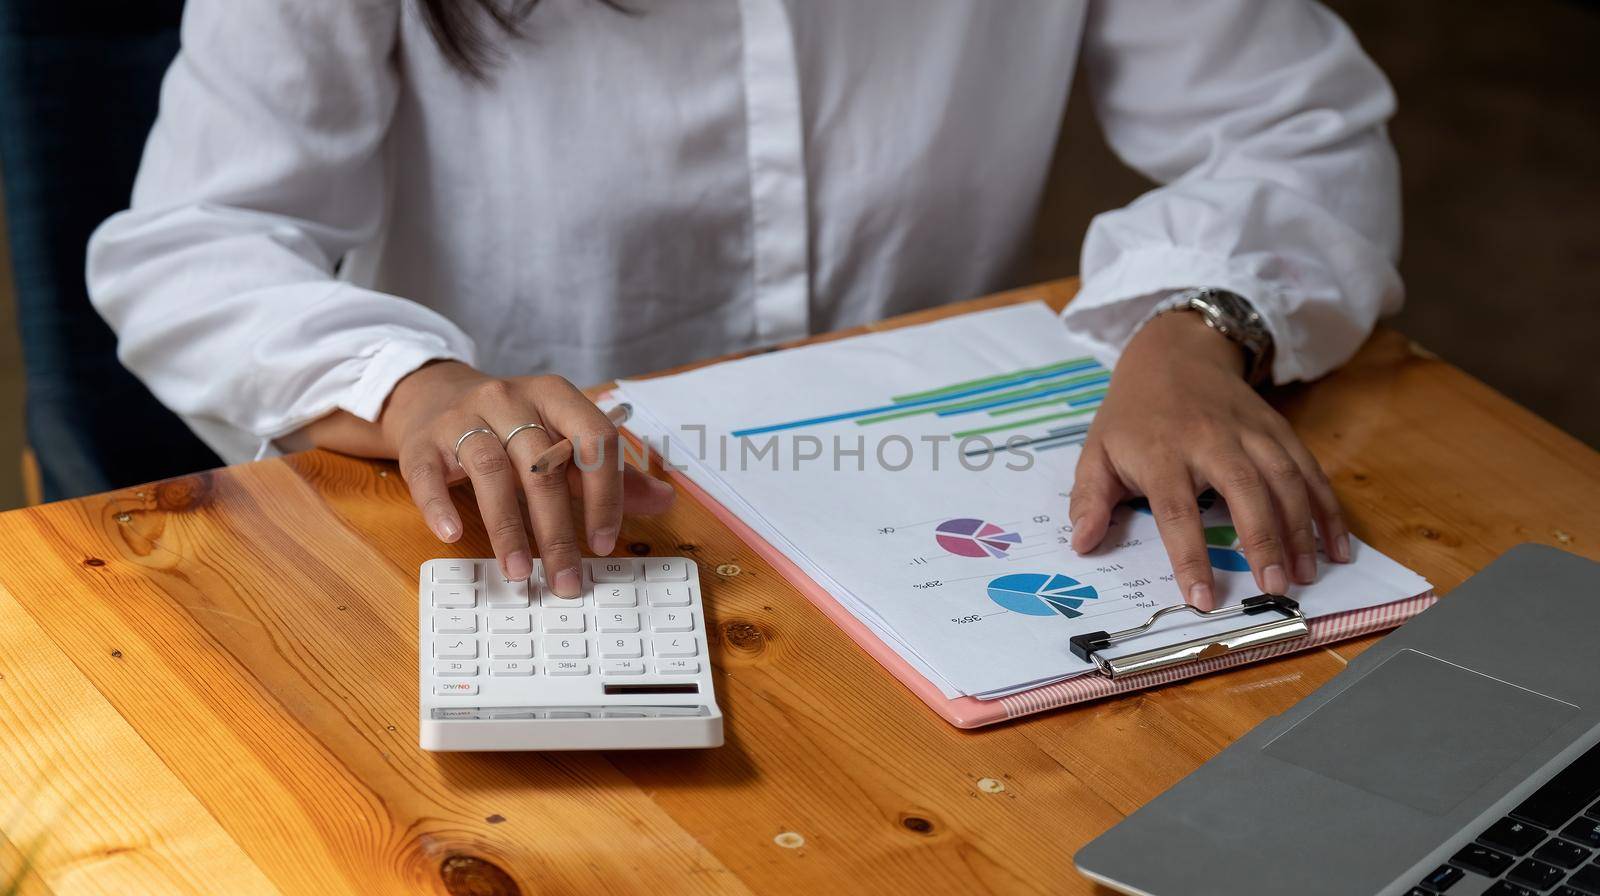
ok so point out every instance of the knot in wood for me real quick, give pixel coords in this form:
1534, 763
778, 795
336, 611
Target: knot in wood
465, 875
916, 824
184, 493
744, 636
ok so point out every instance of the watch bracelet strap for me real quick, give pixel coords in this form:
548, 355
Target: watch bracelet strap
1257, 360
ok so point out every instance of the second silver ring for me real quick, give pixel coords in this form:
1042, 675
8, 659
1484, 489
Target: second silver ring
513, 434
467, 435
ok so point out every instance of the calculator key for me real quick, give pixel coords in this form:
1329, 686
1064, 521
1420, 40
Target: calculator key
1442, 878
1584, 831
455, 688
567, 667
455, 572
511, 648
509, 595
564, 622
622, 667
666, 570
511, 667
672, 620
1483, 860
1513, 836
623, 714
1418, 891
676, 645
611, 570
616, 596
455, 596
1536, 874
1560, 852
565, 648
1563, 891
455, 623
624, 646
455, 669
567, 714
678, 667
681, 645
619, 621
668, 595
456, 648
502, 623
549, 601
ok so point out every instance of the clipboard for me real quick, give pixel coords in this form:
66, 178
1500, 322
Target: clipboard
970, 712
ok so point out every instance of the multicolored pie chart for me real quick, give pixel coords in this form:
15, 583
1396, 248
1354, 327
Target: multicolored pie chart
1222, 542
1041, 594
967, 537
1222, 545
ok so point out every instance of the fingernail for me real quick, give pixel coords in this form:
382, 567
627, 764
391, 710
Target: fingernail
1274, 580
567, 583
1342, 547
446, 529
603, 541
518, 566
1200, 595
1305, 569
659, 487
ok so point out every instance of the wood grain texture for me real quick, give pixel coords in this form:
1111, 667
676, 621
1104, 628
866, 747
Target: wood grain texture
208, 685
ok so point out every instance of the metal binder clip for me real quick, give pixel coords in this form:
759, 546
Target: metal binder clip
1291, 624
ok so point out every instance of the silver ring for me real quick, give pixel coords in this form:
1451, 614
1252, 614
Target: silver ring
513, 434
464, 437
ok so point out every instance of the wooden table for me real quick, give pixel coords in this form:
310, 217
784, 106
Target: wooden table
207, 685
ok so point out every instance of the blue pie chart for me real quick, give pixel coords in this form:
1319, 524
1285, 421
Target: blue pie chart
1041, 594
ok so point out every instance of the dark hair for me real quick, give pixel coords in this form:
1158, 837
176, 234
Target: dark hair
458, 27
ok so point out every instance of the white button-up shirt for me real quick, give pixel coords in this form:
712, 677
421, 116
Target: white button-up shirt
325, 204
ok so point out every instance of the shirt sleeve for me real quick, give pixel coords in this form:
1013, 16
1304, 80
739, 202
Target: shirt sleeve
263, 170
1264, 122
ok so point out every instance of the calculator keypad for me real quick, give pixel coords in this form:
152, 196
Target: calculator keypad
637, 618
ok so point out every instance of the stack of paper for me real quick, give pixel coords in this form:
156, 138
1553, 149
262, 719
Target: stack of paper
920, 476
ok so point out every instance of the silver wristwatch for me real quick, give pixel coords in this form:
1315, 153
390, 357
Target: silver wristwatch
1234, 317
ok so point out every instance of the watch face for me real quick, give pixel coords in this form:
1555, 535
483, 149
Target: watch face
1236, 318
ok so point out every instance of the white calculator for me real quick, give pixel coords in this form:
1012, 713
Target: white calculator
510, 666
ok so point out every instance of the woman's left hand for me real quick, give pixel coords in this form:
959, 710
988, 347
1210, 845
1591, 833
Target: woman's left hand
1179, 418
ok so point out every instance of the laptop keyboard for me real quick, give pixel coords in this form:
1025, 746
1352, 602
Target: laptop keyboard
1548, 846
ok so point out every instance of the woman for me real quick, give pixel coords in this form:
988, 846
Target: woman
401, 228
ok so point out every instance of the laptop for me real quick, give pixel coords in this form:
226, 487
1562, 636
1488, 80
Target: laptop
1459, 755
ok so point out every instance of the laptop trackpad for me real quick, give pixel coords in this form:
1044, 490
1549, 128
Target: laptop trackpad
1421, 731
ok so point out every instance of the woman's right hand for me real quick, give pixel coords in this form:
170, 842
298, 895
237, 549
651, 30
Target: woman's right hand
431, 408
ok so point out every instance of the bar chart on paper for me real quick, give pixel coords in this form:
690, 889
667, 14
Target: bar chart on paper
868, 482
1025, 407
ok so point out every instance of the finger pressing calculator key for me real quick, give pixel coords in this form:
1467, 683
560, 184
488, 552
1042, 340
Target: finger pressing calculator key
510, 666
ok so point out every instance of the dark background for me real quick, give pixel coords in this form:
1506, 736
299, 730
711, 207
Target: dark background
1498, 132
1499, 140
